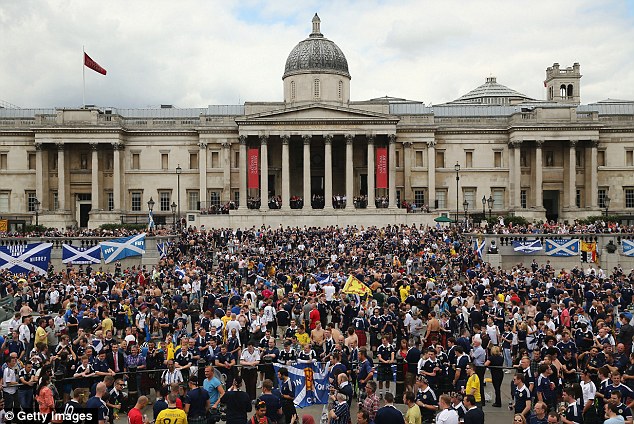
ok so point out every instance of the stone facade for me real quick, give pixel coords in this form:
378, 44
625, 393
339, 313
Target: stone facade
555, 159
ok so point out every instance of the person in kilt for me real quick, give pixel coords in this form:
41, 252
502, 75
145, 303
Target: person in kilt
385, 356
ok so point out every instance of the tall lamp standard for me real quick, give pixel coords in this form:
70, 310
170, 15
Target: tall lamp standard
150, 208
37, 204
457, 168
173, 206
490, 202
606, 202
179, 170
465, 205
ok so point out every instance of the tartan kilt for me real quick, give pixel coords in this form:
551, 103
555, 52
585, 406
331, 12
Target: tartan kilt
384, 372
363, 339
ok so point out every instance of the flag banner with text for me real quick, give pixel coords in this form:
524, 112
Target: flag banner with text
628, 247
81, 255
354, 286
527, 246
562, 247
310, 382
26, 258
253, 162
113, 250
381, 167
89, 63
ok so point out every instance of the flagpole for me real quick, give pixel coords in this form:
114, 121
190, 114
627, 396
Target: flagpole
83, 75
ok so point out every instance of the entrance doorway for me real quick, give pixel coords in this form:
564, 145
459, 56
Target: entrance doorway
317, 185
363, 190
551, 204
84, 214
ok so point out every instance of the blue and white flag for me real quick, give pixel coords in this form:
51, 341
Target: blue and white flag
26, 258
179, 272
261, 279
478, 245
628, 247
310, 381
113, 250
528, 246
81, 255
162, 249
322, 278
562, 247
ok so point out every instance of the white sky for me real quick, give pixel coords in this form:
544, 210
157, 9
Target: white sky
196, 53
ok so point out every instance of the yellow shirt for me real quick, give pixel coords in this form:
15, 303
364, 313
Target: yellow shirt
171, 416
412, 416
303, 339
106, 325
40, 336
404, 292
473, 383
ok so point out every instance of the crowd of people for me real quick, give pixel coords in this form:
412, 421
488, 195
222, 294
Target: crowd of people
198, 334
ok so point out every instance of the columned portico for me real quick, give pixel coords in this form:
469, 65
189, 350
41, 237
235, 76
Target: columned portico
243, 173
539, 178
61, 178
431, 172
371, 174
95, 177
39, 174
116, 175
264, 172
516, 173
307, 197
593, 195
286, 180
226, 175
327, 171
572, 175
202, 172
392, 171
349, 171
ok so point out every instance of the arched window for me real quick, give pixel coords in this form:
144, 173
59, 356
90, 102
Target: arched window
316, 88
340, 92
570, 90
562, 91
292, 90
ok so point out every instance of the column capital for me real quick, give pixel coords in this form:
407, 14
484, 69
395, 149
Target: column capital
226, 144
94, 146
117, 146
573, 143
431, 143
515, 144
328, 138
60, 146
285, 138
539, 143
264, 139
408, 144
242, 139
307, 138
38, 145
349, 138
391, 138
370, 138
594, 143
202, 145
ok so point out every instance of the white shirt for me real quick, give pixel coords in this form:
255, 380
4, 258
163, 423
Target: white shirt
589, 390
447, 416
250, 357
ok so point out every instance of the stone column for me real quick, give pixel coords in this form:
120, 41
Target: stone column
572, 175
226, 171
349, 171
371, 174
61, 178
307, 196
431, 174
264, 173
539, 179
116, 176
408, 194
286, 175
593, 196
202, 173
328, 171
243, 173
39, 175
392, 171
96, 204
516, 173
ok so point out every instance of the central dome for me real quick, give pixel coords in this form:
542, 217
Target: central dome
316, 54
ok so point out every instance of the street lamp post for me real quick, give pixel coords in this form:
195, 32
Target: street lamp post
465, 205
457, 168
606, 202
150, 207
173, 206
37, 204
150, 204
178, 192
490, 202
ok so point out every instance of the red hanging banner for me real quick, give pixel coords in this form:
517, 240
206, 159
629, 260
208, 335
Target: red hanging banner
253, 161
381, 167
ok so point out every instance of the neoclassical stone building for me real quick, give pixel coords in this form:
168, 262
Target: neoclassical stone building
553, 158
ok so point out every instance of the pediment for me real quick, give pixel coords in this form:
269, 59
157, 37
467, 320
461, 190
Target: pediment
318, 113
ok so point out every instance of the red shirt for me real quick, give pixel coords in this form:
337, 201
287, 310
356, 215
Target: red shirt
135, 416
314, 317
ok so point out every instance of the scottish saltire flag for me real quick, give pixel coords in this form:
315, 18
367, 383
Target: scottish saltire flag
628, 247
311, 383
120, 248
26, 258
263, 280
179, 272
527, 246
162, 249
81, 255
322, 278
478, 245
562, 247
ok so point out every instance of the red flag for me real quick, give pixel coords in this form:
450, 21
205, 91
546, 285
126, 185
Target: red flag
381, 167
93, 65
253, 159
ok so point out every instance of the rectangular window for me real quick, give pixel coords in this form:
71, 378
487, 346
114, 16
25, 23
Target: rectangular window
440, 159
578, 198
215, 159
83, 161
468, 160
193, 200
54, 200
109, 163
524, 158
236, 160
497, 159
629, 197
629, 158
469, 194
601, 158
549, 158
136, 161
3, 161
31, 159
441, 198
193, 161
236, 197
214, 198
419, 159
164, 201
4, 201
523, 197
579, 158
419, 198
54, 163
498, 198
135, 203
30, 201
165, 161
397, 158
110, 201
603, 194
